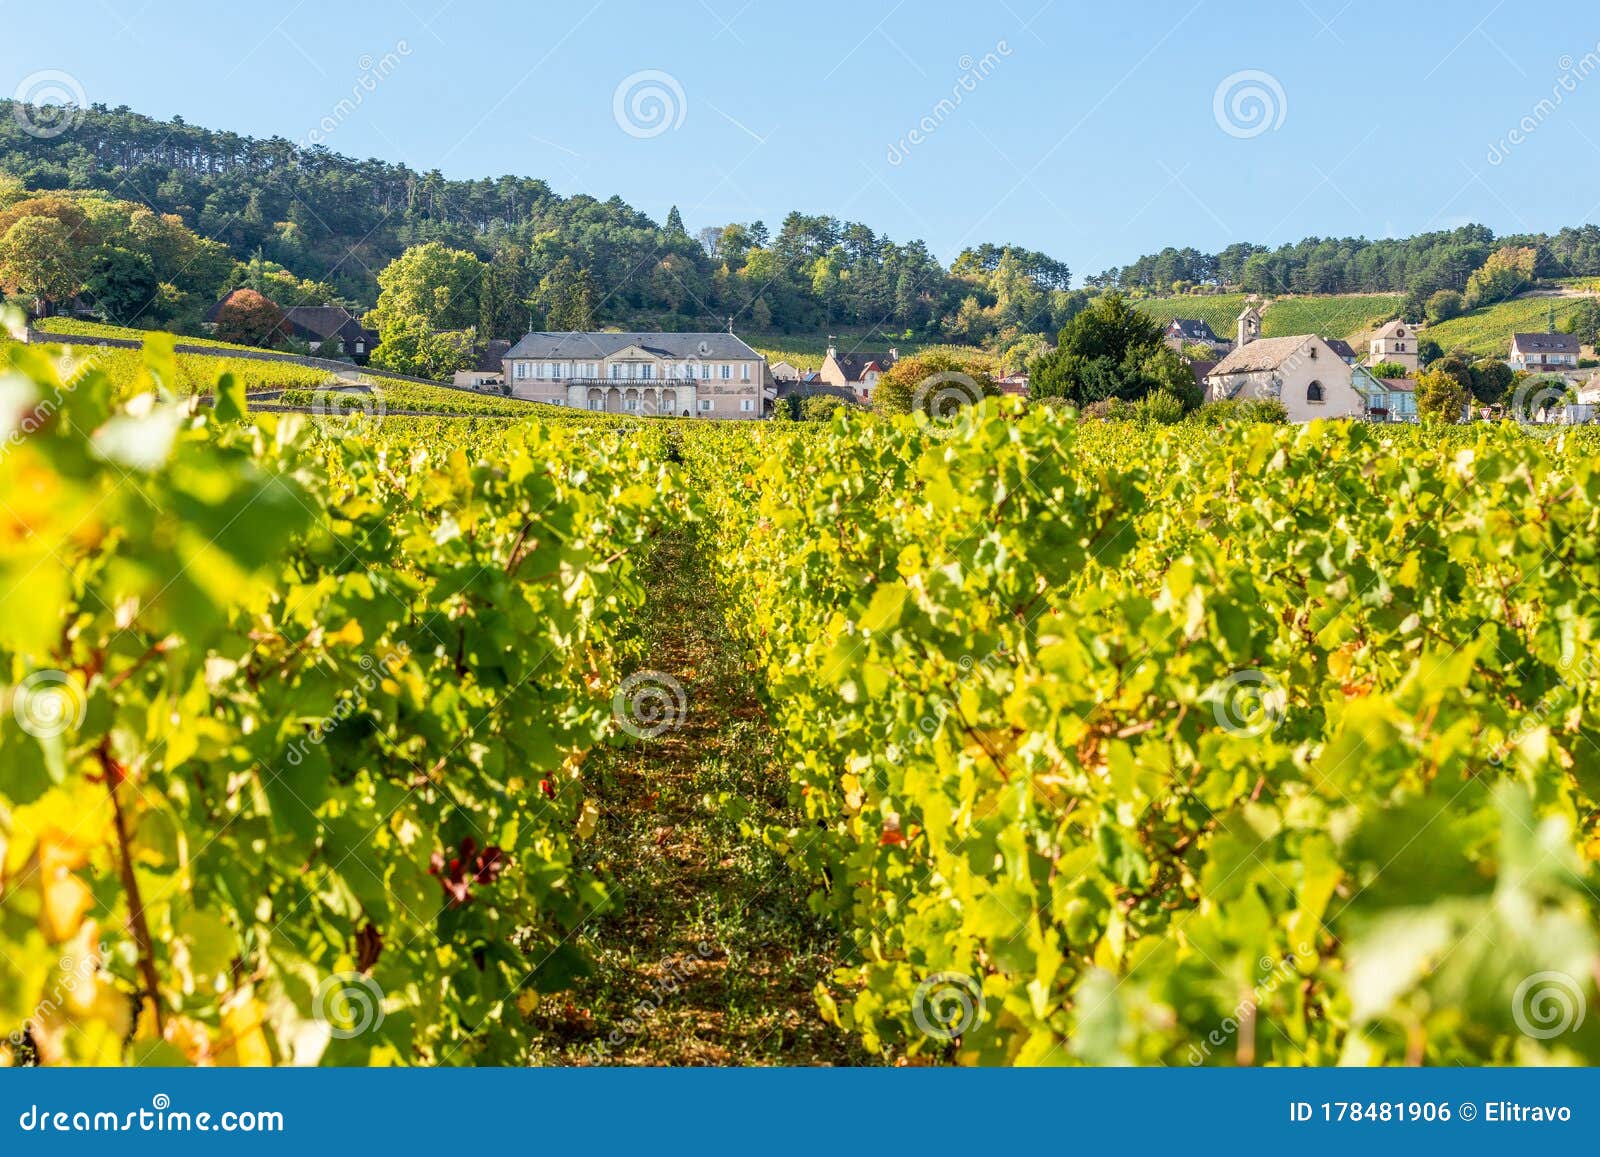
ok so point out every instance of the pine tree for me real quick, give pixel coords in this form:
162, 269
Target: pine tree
567, 295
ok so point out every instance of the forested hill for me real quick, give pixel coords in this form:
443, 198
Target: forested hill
1417, 265
335, 223
338, 221
327, 217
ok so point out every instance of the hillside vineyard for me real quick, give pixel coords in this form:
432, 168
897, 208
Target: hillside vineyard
1194, 745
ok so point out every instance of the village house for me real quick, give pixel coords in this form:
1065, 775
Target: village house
1588, 394
1343, 348
1391, 399
1303, 372
1014, 384
488, 371
701, 375
1182, 332
858, 372
1544, 352
1585, 404
784, 372
1395, 343
328, 330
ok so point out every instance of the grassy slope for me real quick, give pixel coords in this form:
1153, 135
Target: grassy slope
73, 327
806, 351
1342, 316
1484, 332
1487, 332
198, 373
403, 397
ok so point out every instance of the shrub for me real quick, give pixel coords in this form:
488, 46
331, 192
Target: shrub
820, 407
1109, 410
1444, 305
1159, 409
1247, 410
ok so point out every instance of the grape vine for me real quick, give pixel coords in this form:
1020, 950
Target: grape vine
1258, 745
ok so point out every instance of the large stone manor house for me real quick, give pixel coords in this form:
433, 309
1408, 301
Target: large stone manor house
699, 375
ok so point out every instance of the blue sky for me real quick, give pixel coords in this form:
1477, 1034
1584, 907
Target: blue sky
1092, 132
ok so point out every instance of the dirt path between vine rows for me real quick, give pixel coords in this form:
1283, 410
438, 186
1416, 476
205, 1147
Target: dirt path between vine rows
709, 954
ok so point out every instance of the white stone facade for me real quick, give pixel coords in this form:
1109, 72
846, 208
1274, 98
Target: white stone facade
1304, 373
706, 375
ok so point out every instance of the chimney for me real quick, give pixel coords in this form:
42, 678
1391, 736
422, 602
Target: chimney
833, 350
894, 354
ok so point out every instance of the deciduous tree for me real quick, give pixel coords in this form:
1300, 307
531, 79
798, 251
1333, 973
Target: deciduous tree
1112, 350
566, 295
251, 318
1508, 271
1444, 305
1440, 398
431, 284
410, 346
936, 383
37, 259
